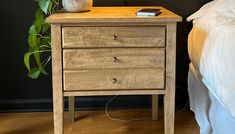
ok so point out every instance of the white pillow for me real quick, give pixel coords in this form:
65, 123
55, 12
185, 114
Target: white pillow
215, 8
204, 9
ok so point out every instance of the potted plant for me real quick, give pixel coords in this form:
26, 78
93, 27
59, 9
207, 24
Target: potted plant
39, 39
77, 5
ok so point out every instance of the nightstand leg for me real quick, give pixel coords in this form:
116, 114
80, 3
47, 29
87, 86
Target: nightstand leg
58, 98
155, 107
71, 107
169, 110
58, 102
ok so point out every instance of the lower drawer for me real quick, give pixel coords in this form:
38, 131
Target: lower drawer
113, 79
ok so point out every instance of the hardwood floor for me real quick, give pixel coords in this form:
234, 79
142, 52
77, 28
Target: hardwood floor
95, 122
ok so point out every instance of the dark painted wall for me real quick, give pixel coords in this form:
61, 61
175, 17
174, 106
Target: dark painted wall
17, 92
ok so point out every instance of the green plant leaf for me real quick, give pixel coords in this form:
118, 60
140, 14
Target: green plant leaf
27, 60
50, 10
39, 20
38, 58
34, 73
45, 41
32, 29
39, 38
32, 39
38, 42
39, 63
45, 27
44, 4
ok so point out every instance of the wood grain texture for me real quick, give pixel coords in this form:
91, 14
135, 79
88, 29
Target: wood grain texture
58, 102
96, 122
113, 15
113, 79
114, 92
118, 58
155, 107
169, 97
97, 37
72, 108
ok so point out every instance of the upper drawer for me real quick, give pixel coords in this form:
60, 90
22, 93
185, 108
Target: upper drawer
98, 37
113, 58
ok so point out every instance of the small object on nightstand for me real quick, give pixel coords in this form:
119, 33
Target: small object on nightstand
148, 12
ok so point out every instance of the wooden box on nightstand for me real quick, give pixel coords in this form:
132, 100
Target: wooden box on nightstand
111, 51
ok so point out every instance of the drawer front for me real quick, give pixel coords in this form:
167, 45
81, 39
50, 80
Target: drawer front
124, 79
117, 58
98, 37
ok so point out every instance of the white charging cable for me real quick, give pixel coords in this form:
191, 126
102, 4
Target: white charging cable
116, 119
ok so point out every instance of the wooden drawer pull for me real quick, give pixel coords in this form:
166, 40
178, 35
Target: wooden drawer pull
115, 59
115, 37
114, 80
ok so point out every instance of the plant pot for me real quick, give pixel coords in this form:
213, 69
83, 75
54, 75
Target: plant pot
77, 5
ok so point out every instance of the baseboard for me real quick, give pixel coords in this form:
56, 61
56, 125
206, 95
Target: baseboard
87, 103
82, 103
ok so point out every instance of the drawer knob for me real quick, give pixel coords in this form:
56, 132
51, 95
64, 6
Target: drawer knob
114, 80
115, 59
114, 37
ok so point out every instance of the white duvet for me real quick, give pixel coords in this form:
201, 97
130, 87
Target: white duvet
212, 49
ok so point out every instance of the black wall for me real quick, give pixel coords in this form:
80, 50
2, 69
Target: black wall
20, 93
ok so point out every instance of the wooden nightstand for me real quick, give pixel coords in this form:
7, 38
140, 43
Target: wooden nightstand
110, 51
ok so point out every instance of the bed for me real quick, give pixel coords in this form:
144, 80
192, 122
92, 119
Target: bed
211, 78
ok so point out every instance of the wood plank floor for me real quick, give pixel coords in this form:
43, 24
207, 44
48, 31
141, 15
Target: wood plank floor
95, 122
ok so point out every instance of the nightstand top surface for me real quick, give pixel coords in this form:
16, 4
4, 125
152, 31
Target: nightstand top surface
112, 14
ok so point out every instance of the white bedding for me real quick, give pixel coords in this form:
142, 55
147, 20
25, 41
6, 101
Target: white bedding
209, 112
212, 49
